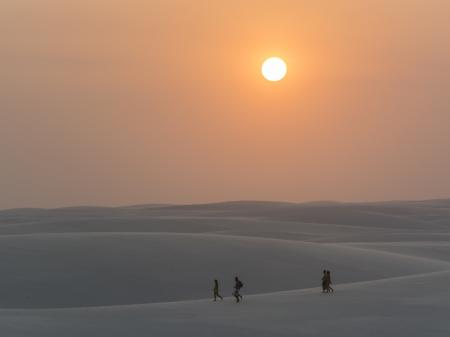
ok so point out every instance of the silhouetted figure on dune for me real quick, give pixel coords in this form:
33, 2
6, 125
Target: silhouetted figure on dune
216, 291
329, 282
237, 287
324, 281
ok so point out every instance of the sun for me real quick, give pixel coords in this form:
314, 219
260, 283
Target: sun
274, 69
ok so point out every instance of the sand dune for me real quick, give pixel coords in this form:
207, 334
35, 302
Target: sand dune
374, 308
92, 269
147, 270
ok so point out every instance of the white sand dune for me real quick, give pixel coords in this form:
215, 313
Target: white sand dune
147, 270
404, 306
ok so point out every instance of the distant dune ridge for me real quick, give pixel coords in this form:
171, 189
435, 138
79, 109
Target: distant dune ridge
148, 270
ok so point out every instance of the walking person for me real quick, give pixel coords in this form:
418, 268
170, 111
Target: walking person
216, 291
324, 281
329, 288
237, 287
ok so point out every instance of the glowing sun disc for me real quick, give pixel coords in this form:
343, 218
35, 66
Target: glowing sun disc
274, 69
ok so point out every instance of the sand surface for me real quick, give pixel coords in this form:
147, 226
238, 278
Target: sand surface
147, 270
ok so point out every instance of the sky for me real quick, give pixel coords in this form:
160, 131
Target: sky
128, 102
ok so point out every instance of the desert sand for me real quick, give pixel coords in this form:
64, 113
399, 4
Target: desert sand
148, 270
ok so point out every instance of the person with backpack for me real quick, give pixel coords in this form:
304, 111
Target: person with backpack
237, 287
216, 291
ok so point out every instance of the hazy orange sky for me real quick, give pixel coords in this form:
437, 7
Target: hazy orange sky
123, 102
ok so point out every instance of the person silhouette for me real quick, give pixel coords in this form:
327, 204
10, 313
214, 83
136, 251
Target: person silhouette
324, 281
237, 287
216, 291
329, 282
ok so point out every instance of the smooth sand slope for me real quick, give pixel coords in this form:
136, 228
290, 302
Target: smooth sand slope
148, 270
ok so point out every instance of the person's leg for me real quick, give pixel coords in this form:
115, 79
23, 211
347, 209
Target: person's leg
239, 294
236, 294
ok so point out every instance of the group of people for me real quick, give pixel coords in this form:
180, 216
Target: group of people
326, 286
236, 292
326, 282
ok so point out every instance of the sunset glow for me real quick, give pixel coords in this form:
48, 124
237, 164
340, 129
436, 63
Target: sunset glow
197, 101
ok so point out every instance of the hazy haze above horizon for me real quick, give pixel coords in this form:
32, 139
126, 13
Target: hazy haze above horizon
127, 102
